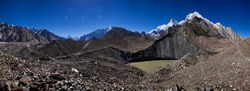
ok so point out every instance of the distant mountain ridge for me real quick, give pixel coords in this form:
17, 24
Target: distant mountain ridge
122, 32
97, 33
48, 35
11, 33
118, 31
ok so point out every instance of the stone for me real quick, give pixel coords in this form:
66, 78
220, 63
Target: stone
57, 77
75, 70
5, 86
33, 88
26, 79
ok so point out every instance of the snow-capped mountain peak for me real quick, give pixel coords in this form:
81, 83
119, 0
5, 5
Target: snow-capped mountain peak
190, 16
109, 28
194, 14
155, 33
218, 25
165, 27
172, 22
162, 27
97, 33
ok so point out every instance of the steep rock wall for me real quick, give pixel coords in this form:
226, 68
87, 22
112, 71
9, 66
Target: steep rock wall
171, 46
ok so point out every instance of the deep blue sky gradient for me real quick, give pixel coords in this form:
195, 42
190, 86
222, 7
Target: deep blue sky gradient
78, 17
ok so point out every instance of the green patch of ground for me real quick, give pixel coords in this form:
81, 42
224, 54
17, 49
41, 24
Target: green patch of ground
152, 66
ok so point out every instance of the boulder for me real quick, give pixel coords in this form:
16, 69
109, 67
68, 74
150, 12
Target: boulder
185, 61
189, 59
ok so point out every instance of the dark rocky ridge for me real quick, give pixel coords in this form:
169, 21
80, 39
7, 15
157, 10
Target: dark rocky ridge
122, 32
48, 35
127, 44
18, 34
118, 31
11, 33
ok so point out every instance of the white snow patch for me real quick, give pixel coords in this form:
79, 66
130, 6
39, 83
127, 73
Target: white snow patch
109, 28
192, 15
163, 27
218, 25
86, 44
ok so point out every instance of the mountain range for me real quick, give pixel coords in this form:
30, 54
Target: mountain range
159, 30
24, 34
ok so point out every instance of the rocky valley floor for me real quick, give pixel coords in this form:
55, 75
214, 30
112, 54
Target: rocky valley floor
228, 69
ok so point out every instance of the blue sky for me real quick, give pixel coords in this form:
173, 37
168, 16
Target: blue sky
78, 17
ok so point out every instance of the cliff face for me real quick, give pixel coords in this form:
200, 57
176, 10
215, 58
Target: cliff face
168, 47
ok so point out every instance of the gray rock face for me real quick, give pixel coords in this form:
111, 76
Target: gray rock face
168, 47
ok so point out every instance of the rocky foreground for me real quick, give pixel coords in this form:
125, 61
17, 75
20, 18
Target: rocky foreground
18, 74
226, 70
